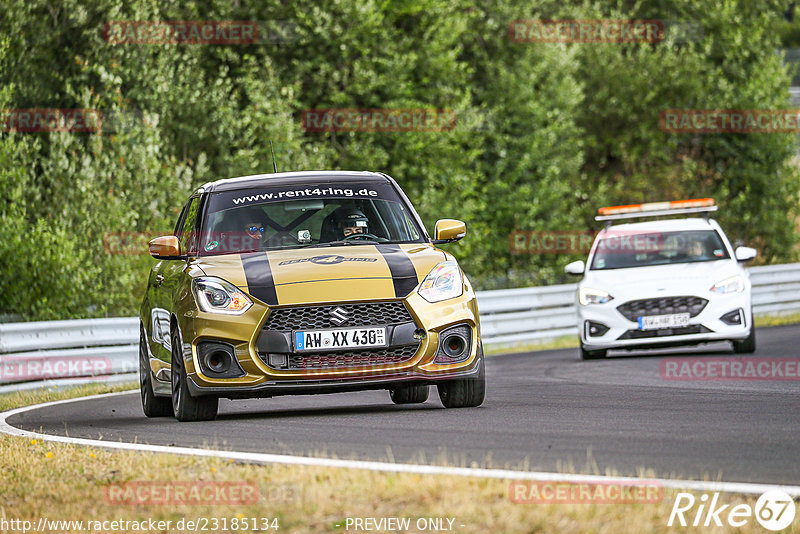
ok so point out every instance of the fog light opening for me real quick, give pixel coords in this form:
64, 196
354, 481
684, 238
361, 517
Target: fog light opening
454, 345
733, 318
595, 329
218, 361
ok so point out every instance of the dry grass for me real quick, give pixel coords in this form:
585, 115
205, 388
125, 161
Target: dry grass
776, 320
57, 481
563, 342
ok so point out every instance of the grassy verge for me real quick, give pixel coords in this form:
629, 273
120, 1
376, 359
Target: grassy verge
777, 320
563, 342
62, 482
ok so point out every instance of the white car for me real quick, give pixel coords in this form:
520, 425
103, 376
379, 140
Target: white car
663, 283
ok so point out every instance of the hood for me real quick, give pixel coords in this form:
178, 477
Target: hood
662, 280
326, 274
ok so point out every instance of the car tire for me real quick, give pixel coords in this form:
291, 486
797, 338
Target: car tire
152, 406
184, 406
748, 344
409, 394
464, 393
592, 354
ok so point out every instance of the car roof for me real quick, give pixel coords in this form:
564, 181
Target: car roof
673, 225
292, 178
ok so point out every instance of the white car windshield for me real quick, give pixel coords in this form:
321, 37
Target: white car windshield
626, 249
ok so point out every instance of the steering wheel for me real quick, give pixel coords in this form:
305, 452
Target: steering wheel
371, 237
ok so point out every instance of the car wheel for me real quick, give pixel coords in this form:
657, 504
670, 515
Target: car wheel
184, 406
152, 406
748, 344
592, 354
465, 393
409, 394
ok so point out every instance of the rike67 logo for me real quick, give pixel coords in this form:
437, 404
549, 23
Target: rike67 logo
774, 510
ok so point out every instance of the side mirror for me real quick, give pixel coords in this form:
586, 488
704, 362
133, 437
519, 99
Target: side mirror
449, 230
745, 253
165, 248
576, 267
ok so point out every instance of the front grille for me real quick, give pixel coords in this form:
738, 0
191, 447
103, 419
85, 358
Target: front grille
351, 358
665, 332
314, 317
634, 309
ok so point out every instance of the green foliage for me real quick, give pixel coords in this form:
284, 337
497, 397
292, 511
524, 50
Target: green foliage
544, 133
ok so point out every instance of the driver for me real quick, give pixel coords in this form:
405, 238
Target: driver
695, 249
350, 221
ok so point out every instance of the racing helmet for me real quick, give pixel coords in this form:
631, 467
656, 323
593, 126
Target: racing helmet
350, 217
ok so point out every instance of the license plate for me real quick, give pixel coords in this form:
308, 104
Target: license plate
654, 322
342, 338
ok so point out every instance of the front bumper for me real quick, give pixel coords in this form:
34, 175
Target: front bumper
259, 379
705, 327
312, 387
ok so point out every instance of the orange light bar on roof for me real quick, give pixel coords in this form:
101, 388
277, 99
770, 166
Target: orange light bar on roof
657, 206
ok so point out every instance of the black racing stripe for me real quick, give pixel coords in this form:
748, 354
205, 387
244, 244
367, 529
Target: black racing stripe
404, 276
259, 277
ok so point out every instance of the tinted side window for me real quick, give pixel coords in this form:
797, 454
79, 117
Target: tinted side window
188, 231
179, 222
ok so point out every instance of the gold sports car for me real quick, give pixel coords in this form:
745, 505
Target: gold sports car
301, 283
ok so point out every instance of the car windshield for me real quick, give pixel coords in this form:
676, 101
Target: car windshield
621, 250
305, 216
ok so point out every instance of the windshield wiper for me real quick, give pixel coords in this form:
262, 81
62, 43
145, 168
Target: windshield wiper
341, 243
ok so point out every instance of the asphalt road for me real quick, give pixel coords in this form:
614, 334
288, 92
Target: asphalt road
545, 411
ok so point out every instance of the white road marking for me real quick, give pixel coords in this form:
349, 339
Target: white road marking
263, 458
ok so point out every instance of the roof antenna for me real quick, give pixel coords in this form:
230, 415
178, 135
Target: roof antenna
274, 165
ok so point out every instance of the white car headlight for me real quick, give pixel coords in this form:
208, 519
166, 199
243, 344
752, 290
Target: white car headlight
587, 295
442, 283
734, 284
216, 295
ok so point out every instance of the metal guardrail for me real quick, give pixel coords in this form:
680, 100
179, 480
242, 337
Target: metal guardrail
50, 350
63, 351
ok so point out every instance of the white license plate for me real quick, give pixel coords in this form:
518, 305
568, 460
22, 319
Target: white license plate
654, 322
342, 338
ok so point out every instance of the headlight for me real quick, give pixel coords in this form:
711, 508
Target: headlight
442, 283
218, 296
734, 284
587, 296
